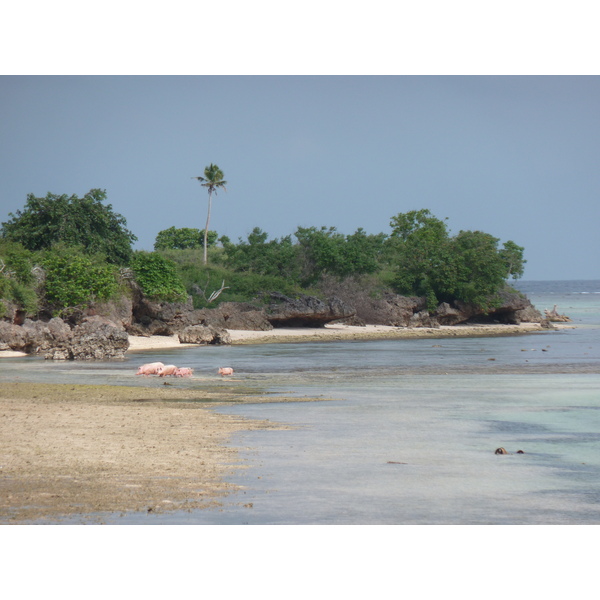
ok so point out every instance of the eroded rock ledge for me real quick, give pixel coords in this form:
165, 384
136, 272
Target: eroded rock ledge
101, 331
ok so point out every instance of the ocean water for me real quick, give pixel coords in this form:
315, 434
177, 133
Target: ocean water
408, 431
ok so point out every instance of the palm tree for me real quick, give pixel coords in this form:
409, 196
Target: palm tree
213, 180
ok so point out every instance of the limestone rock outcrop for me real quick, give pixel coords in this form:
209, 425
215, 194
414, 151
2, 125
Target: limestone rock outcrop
202, 334
95, 338
305, 311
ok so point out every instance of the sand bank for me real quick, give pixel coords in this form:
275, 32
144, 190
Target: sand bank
373, 332
75, 450
331, 333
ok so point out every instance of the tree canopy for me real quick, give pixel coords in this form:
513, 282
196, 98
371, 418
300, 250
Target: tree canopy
182, 238
85, 222
63, 251
158, 277
469, 267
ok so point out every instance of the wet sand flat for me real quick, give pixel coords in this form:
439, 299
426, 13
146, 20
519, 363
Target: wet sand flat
69, 450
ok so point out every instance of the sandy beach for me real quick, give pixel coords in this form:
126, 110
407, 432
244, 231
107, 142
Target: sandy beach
67, 451
74, 450
336, 332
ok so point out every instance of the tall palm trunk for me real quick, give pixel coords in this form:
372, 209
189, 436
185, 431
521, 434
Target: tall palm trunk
206, 228
212, 180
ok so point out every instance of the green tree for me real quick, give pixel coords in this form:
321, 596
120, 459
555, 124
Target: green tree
275, 257
182, 238
73, 221
74, 278
17, 261
212, 181
480, 269
420, 244
158, 277
512, 255
17, 283
326, 251
468, 267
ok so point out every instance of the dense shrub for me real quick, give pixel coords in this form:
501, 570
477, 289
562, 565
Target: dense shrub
183, 238
73, 278
17, 283
276, 258
157, 277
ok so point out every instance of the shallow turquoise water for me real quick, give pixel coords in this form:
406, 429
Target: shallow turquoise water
410, 434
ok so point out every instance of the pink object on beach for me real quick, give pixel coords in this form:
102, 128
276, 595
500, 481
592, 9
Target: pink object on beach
183, 372
225, 371
150, 368
167, 370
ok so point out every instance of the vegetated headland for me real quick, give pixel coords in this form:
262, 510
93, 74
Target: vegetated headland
71, 287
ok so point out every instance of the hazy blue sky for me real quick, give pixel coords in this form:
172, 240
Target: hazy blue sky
514, 156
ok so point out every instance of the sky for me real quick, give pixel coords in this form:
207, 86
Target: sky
514, 156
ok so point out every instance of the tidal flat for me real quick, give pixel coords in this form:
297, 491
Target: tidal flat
83, 450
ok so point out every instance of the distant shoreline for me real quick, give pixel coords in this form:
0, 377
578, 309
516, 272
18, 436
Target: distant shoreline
335, 332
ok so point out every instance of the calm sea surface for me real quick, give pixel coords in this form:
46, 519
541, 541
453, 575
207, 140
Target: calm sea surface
410, 433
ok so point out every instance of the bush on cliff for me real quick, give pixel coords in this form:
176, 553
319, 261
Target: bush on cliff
17, 283
182, 238
74, 279
158, 277
468, 267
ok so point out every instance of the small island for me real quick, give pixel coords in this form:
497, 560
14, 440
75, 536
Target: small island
73, 288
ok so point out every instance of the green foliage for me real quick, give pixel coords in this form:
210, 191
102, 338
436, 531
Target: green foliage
183, 238
480, 269
512, 255
468, 267
24, 296
17, 283
420, 244
158, 277
276, 258
72, 221
17, 260
324, 251
74, 278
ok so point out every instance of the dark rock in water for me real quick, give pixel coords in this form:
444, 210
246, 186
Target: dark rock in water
34, 336
95, 338
552, 315
46, 335
305, 311
13, 337
164, 318
500, 451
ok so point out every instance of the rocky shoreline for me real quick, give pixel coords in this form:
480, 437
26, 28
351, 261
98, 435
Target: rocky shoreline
330, 333
109, 330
